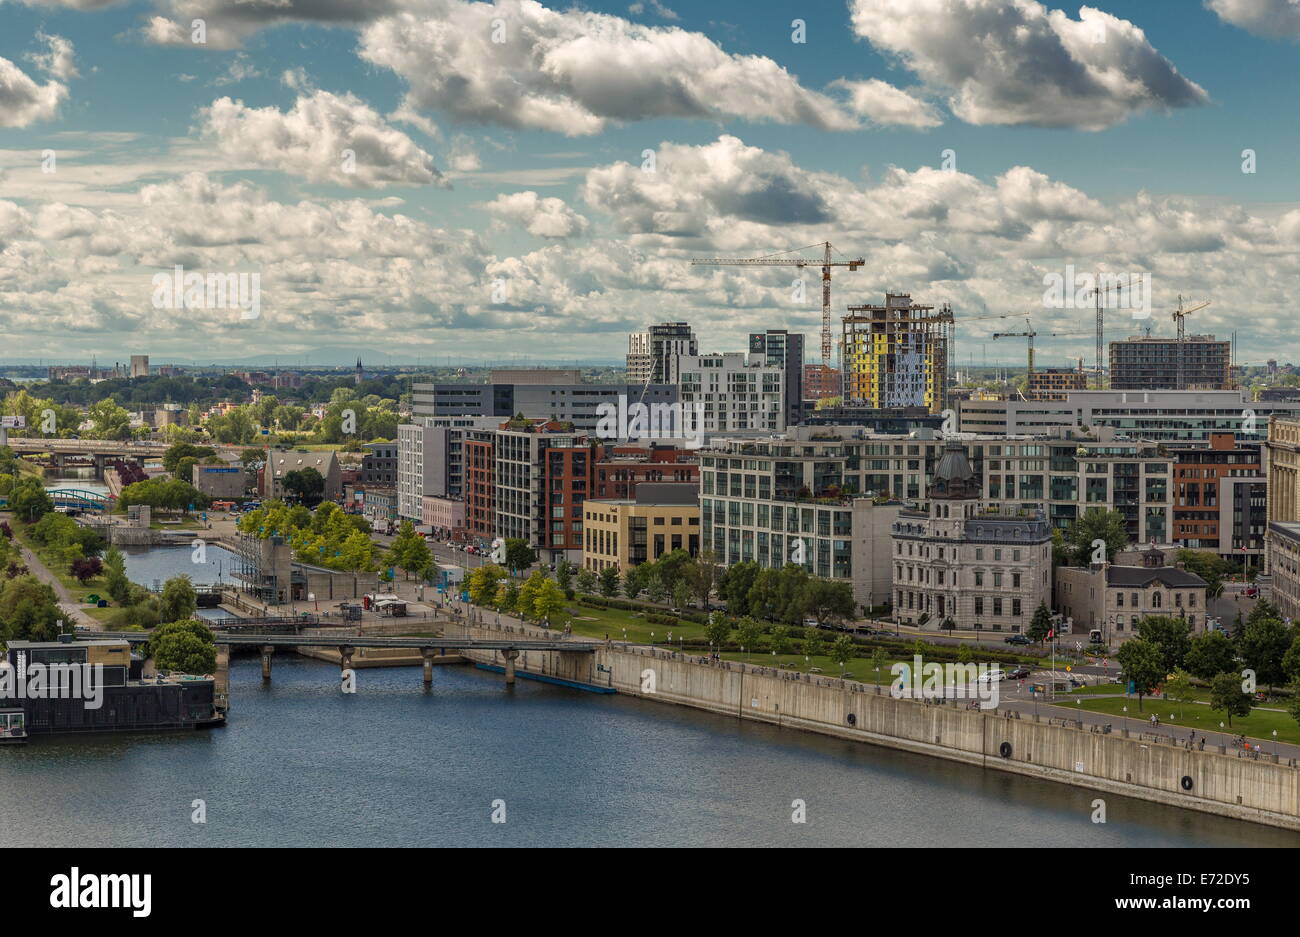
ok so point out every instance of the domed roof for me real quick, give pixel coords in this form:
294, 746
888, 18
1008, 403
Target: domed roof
954, 479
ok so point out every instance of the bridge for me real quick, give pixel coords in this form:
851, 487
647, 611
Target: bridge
136, 449
346, 644
80, 499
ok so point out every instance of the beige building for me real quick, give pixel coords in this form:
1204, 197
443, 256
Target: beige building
280, 463
662, 517
974, 567
1281, 582
1113, 598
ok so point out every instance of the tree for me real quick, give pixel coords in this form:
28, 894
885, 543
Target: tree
186, 646
1179, 688
483, 583
1263, 644
879, 658
1143, 665
964, 653
29, 610
781, 639
86, 568
826, 601
1291, 661
1293, 704
29, 499
813, 645
632, 582
765, 599
609, 582
110, 421
747, 633
175, 453
549, 600
519, 555
734, 585
842, 651
655, 590
702, 576
586, 581
671, 566
1227, 696
1209, 566
564, 577
717, 630
528, 592
681, 594
1095, 524
1210, 653
307, 484
1170, 635
115, 581
409, 551
1040, 624
178, 600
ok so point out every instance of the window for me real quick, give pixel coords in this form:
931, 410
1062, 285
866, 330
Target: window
979, 580
1015, 607
997, 608
1119, 600
979, 606
1155, 600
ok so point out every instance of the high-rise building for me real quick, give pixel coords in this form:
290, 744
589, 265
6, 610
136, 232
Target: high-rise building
431, 460
1140, 363
652, 354
733, 392
896, 355
139, 365
785, 349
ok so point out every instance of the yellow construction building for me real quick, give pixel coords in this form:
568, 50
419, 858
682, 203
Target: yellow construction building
896, 355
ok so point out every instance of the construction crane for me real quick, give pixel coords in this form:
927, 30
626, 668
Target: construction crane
1097, 291
1028, 333
1178, 315
775, 260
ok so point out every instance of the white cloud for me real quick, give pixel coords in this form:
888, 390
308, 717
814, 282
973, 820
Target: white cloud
1268, 18
59, 61
541, 217
882, 103
1016, 62
24, 102
576, 72
312, 140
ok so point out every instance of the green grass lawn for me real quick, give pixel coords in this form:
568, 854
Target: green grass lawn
860, 669
1258, 725
598, 622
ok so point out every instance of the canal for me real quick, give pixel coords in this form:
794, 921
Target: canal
301, 763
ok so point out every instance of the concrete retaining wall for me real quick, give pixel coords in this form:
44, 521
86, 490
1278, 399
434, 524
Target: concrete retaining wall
1223, 784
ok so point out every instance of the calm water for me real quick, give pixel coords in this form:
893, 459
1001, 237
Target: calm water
302, 764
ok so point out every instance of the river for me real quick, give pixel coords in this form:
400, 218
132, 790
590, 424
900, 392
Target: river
301, 763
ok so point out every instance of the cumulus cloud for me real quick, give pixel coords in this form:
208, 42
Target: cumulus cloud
882, 103
23, 101
228, 23
1016, 62
576, 72
324, 138
1269, 18
59, 60
541, 217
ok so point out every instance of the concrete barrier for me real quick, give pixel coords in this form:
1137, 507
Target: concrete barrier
1257, 790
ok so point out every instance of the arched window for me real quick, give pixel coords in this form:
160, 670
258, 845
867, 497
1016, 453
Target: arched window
1155, 600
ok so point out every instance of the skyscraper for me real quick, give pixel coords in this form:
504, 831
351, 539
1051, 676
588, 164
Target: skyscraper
652, 354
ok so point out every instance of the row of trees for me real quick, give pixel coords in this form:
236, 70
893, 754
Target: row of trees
326, 537
788, 595
1166, 653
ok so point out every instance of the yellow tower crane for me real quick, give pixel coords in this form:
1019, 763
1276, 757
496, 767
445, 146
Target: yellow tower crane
1178, 315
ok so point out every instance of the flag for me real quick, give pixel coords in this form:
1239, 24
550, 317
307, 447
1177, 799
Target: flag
1051, 633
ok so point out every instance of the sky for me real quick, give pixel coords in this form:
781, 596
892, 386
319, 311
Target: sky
442, 180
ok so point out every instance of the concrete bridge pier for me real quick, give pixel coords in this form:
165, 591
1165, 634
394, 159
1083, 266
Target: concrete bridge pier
510, 656
427, 654
267, 651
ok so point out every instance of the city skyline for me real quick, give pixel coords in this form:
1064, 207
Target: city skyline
550, 204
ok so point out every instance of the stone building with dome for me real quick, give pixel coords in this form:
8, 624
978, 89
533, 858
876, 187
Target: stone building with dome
962, 564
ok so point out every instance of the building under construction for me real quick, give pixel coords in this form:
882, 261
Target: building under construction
1153, 364
896, 355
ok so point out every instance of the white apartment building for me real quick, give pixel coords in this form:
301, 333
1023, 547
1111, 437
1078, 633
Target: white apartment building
734, 391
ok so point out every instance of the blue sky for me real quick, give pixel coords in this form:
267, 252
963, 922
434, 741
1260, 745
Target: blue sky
405, 252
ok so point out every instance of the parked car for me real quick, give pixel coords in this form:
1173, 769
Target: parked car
1017, 639
1020, 673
